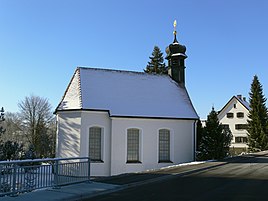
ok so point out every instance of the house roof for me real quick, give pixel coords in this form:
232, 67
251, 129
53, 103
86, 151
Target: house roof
244, 103
127, 94
241, 100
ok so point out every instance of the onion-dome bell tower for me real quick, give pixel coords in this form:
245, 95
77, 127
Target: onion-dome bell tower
176, 56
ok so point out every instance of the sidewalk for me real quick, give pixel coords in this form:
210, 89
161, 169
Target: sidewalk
68, 193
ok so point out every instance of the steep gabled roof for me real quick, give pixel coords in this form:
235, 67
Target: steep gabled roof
72, 96
127, 94
242, 101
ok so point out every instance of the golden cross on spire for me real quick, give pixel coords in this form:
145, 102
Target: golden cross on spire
175, 26
175, 31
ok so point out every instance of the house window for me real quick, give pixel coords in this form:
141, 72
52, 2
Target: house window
240, 115
241, 126
164, 145
133, 145
234, 105
242, 140
225, 126
95, 143
230, 115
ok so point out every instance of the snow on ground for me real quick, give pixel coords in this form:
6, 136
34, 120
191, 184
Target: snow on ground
184, 164
180, 165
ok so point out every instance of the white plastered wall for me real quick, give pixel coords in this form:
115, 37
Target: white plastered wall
114, 140
102, 120
68, 134
182, 143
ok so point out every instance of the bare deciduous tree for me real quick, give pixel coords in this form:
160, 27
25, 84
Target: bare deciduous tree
37, 117
13, 132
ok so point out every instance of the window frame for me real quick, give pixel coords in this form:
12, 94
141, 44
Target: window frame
230, 115
241, 126
133, 153
240, 115
164, 146
99, 143
241, 140
225, 126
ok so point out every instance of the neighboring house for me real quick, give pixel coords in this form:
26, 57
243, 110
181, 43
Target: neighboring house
235, 115
128, 121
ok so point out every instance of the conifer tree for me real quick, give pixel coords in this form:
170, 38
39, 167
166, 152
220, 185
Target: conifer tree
215, 140
258, 117
156, 63
2, 119
10, 150
199, 134
2, 131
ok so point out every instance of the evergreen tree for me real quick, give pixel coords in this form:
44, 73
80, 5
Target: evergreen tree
215, 140
199, 134
2, 119
156, 63
30, 153
2, 131
10, 150
258, 117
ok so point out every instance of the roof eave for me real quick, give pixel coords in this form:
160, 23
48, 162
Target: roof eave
128, 116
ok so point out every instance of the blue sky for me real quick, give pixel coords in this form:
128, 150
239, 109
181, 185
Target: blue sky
43, 41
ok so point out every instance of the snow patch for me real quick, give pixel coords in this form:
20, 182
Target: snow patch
184, 164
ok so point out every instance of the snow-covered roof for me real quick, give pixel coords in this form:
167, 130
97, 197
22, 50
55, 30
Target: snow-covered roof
127, 94
239, 99
244, 102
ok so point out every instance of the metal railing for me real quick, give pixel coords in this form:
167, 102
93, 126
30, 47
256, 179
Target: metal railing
27, 175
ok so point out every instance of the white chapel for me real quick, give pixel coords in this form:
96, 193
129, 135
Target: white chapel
128, 121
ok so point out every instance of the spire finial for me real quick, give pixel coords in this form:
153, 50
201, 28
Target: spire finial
175, 31
175, 26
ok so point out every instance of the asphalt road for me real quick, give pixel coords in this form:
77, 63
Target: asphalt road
240, 179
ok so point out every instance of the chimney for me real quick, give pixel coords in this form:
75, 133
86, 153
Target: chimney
244, 98
239, 96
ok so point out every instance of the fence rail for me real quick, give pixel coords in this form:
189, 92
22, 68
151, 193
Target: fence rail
27, 175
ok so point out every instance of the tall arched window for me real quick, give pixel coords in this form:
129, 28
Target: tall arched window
164, 145
133, 145
95, 143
